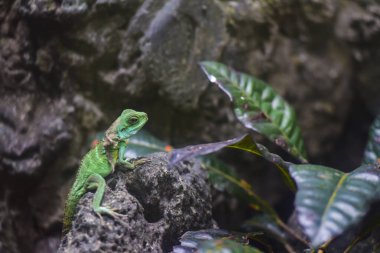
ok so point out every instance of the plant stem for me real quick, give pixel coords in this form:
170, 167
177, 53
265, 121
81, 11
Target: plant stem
289, 248
292, 232
352, 244
326, 244
363, 234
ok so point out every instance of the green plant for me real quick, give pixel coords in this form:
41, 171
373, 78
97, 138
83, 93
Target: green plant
328, 202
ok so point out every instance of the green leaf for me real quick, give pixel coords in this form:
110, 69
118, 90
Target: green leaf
267, 224
220, 174
259, 107
248, 144
180, 154
244, 142
196, 237
225, 246
143, 143
372, 150
140, 144
328, 201
225, 179
215, 241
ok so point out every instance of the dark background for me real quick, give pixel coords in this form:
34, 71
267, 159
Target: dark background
68, 68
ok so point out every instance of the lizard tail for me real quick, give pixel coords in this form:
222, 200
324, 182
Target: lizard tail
70, 205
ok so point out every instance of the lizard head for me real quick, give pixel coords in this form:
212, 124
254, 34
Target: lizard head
130, 122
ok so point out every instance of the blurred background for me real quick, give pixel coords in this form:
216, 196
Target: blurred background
69, 67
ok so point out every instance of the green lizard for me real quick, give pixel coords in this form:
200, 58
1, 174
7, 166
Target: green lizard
100, 161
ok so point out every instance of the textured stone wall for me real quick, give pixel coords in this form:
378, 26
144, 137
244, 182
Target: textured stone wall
67, 69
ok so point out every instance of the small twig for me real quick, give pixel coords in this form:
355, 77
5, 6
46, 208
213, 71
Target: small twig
352, 244
289, 248
292, 232
363, 234
326, 244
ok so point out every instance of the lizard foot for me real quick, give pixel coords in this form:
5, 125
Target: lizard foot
130, 165
101, 218
140, 161
111, 212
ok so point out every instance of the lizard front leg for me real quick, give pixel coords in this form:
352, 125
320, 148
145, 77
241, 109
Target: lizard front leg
124, 161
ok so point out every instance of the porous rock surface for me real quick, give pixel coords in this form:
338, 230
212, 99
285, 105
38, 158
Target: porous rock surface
159, 204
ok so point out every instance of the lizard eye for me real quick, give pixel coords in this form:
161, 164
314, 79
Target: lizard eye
133, 120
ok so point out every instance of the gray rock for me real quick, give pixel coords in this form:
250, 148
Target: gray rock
359, 25
159, 204
43, 124
135, 46
164, 43
297, 53
67, 69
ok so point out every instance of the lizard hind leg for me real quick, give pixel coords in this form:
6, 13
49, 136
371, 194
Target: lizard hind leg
97, 182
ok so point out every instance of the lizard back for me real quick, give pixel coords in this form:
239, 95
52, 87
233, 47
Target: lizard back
95, 161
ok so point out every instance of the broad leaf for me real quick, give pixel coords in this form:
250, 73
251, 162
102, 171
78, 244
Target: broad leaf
225, 179
195, 237
244, 142
248, 144
328, 201
259, 107
372, 150
144, 143
225, 246
272, 229
220, 175
178, 155
140, 144
267, 224
214, 241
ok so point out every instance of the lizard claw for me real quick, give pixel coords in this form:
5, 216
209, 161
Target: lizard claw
111, 212
132, 164
114, 213
101, 218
